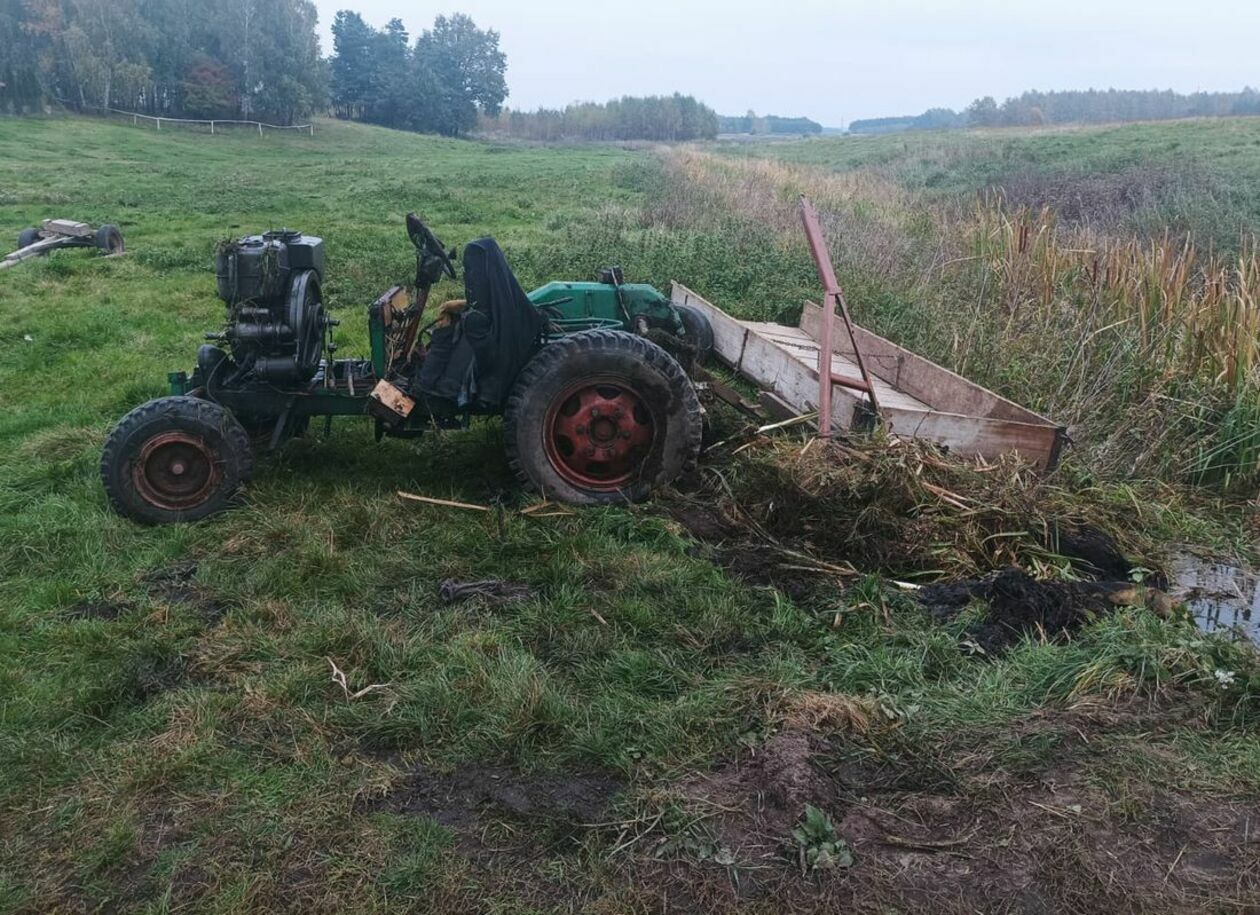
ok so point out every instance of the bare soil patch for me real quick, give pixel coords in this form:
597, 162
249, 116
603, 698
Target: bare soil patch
97, 610
784, 513
961, 832
174, 584
476, 794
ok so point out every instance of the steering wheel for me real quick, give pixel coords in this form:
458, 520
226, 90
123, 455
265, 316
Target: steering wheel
423, 238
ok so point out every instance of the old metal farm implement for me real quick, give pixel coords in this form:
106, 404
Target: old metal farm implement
591, 378
63, 233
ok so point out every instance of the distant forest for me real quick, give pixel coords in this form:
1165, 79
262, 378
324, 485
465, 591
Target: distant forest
1090, 106
767, 125
653, 117
260, 60
231, 58
441, 83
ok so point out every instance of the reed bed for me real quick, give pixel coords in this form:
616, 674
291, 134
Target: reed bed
1146, 346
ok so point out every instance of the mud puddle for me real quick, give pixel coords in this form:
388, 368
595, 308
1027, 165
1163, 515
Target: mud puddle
1220, 597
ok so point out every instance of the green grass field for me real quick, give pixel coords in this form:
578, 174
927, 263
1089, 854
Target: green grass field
1200, 176
644, 731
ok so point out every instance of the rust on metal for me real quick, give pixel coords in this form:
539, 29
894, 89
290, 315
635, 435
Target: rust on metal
175, 470
597, 432
833, 297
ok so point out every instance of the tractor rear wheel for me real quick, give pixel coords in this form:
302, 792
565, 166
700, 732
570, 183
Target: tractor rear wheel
28, 236
601, 417
175, 459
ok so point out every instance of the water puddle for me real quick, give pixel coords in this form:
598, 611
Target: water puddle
1220, 597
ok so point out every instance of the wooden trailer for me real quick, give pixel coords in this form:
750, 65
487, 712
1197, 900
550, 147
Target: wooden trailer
63, 233
915, 397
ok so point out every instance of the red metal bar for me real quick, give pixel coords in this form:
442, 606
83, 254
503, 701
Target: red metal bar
818, 248
846, 382
833, 296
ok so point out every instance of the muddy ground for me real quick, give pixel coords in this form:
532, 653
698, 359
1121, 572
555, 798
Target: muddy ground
952, 833
1014, 605
945, 830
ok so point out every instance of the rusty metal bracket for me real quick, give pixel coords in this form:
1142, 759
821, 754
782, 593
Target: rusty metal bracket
833, 297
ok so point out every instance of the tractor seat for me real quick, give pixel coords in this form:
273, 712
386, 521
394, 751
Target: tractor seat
475, 360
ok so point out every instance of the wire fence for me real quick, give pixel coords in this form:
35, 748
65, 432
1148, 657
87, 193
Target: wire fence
179, 123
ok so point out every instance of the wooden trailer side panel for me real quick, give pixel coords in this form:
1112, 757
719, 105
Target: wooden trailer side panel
763, 361
977, 436
922, 378
783, 361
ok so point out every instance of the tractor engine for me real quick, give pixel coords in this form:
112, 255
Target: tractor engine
276, 322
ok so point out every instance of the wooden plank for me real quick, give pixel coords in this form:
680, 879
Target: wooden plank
922, 378
976, 436
805, 348
32, 250
776, 407
767, 363
68, 227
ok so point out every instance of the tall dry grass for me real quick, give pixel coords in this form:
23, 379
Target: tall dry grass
1194, 315
1147, 347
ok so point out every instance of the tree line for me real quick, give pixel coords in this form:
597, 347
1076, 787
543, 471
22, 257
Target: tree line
1088, 106
254, 59
654, 117
260, 60
441, 83
767, 125
248, 59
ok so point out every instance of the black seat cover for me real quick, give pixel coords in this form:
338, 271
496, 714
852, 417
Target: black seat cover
475, 360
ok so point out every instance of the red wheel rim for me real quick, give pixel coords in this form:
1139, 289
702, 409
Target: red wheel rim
175, 470
597, 434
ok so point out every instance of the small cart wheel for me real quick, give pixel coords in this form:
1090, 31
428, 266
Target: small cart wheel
601, 417
28, 236
175, 459
109, 239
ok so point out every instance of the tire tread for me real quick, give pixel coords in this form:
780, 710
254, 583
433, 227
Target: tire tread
191, 408
597, 341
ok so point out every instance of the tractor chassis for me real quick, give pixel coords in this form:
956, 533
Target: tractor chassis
344, 392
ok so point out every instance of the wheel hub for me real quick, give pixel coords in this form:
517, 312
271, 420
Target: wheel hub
175, 470
597, 434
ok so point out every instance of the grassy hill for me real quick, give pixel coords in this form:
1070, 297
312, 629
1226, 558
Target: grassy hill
1201, 176
644, 730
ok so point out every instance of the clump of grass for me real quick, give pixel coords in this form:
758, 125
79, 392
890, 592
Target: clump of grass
904, 508
1152, 337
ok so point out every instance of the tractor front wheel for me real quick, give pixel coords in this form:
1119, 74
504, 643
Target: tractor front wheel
175, 459
602, 417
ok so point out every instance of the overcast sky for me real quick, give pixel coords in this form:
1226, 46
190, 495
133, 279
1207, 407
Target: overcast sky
841, 60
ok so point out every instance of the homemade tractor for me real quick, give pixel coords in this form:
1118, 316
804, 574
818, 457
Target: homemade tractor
589, 377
